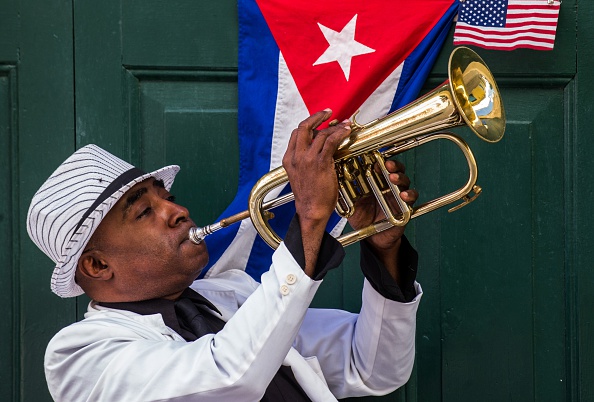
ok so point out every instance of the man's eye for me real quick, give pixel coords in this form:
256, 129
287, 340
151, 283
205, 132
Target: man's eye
171, 198
144, 213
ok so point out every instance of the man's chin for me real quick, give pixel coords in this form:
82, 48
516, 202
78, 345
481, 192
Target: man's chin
201, 258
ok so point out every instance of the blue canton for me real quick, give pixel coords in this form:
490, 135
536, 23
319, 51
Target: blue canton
486, 13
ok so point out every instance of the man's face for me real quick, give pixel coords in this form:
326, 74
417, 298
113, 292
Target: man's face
144, 240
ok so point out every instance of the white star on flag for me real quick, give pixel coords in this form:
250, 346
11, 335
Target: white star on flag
342, 46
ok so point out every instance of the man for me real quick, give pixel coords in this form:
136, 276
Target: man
153, 333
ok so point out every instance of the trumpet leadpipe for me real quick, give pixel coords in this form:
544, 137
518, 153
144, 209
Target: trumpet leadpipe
198, 234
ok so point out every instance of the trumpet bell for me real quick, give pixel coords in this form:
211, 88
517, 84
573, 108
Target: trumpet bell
476, 95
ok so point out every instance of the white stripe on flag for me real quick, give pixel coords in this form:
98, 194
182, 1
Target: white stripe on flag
289, 112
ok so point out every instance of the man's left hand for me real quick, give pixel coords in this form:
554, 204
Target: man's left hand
367, 211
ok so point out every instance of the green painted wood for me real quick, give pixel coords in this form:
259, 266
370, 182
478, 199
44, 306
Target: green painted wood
45, 138
155, 35
100, 78
9, 223
580, 253
9, 348
9, 27
502, 271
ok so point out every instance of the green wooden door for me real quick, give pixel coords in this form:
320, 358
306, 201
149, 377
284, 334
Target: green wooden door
36, 134
506, 314
8, 206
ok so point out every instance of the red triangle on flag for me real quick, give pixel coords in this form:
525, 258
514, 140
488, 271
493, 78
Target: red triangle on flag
369, 39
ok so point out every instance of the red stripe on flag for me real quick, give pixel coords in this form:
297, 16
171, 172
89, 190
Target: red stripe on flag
540, 7
552, 17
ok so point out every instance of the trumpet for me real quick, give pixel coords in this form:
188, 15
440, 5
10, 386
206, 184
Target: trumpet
468, 97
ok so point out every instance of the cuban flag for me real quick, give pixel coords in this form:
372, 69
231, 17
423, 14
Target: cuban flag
297, 57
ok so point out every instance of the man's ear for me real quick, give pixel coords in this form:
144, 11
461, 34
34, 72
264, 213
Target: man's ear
92, 266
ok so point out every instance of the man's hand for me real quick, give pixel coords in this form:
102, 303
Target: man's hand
309, 163
367, 211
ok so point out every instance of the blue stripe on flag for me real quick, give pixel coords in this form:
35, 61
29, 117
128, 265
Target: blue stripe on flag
255, 119
419, 63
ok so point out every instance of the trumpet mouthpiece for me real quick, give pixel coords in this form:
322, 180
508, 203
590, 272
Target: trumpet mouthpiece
196, 235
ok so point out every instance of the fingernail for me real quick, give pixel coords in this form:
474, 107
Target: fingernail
328, 110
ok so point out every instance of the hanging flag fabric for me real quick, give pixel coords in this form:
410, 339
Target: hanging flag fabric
297, 57
507, 24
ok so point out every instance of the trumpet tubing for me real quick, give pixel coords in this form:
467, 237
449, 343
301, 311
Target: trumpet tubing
468, 97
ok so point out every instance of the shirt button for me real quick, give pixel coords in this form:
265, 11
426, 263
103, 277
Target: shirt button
291, 279
284, 289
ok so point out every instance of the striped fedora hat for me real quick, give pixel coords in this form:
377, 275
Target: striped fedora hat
70, 205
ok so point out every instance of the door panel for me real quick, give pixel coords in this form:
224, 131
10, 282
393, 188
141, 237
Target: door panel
43, 137
191, 122
8, 228
502, 268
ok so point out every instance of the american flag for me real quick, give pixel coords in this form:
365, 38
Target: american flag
507, 24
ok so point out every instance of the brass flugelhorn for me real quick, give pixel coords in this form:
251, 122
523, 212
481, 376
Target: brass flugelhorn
468, 97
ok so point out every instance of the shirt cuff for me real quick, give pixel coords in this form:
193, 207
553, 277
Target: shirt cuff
331, 251
381, 280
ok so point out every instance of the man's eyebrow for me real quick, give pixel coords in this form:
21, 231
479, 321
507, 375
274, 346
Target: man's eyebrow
136, 195
132, 198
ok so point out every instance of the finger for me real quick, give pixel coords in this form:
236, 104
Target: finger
394, 166
304, 132
328, 140
409, 196
401, 180
308, 125
317, 118
336, 137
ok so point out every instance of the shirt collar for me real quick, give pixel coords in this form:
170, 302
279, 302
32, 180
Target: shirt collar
164, 307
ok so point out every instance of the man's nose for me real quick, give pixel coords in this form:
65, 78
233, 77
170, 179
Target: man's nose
176, 213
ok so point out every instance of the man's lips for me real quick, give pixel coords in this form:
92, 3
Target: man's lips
185, 234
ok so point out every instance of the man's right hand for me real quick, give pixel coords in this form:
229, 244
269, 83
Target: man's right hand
309, 163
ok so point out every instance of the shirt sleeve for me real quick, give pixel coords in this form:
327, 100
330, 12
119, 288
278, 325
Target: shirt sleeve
382, 281
331, 251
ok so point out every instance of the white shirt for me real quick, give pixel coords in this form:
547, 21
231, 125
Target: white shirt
114, 355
